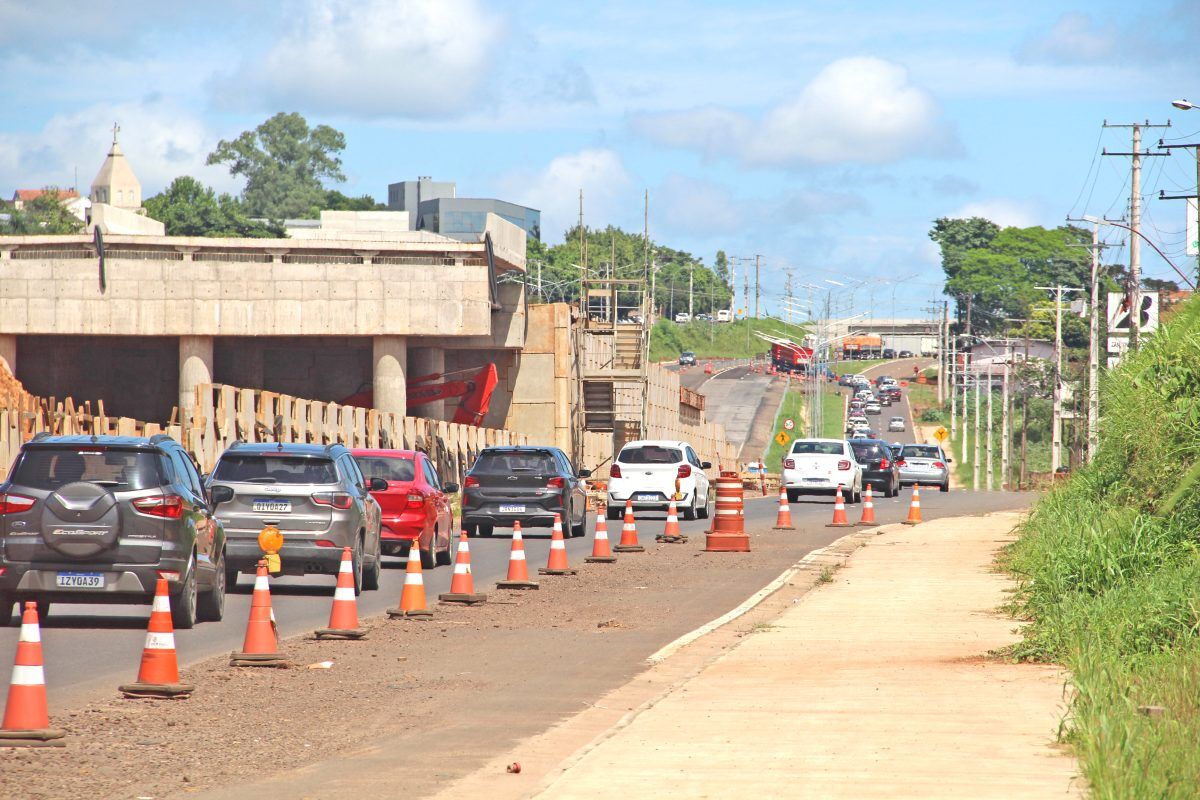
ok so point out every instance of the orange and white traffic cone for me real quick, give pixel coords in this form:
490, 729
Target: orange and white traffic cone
601, 550
462, 585
261, 645
518, 570
629, 540
839, 512
557, 564
412, 596
671, 533
158, 676
914, 508
27, 713
343, 617
868, 508
783, 521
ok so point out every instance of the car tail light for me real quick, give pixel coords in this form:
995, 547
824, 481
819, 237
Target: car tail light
555, 483
168, 575
789, 463
416, 501
614, 471
168, 506
901, 463
843, 466
939, 465
341, 500
884, 463
325, 543
470, 481
685, 470
15, 503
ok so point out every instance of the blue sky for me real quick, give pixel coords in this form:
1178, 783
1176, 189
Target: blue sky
824, 136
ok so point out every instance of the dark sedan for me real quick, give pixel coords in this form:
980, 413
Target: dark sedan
880, 469
529, 484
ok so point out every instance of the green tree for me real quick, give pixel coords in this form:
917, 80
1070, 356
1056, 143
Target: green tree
189, 208
44, 215
336, 201
284, 162
721, 265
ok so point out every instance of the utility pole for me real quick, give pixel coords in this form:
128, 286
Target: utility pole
943, 351
757, 291
990, 392
1135, 223
975, 462
1093, 398
1005, 429
962, 456
691, 270
1056, 426
1194, 198
953, 387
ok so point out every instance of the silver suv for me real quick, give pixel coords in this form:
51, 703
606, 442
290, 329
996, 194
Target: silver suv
99, 519
317, 497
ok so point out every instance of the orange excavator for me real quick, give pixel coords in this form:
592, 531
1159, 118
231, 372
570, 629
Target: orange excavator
475, 391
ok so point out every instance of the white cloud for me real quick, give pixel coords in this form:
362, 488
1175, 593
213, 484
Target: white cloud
1074, 39
160, 140
407, 59
554, 190
1004, 212
855, 110
684, 205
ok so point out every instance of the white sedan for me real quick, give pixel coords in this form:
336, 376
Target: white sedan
820, 466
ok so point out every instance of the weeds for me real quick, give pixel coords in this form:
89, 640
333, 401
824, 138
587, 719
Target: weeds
826, 575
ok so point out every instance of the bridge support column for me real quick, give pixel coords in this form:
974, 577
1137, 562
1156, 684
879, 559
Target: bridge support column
8, 352
427, 360
390, 373
195, 368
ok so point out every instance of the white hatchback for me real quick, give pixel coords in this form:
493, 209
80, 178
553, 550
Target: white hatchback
650, 472
820, 466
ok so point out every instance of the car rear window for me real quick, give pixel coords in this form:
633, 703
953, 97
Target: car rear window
530, 462
650, 454
868, 452
123, 470
818, 448
250, 468
390, 468
921, 451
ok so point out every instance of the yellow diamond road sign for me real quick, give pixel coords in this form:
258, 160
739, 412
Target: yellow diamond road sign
941, 434
783, 437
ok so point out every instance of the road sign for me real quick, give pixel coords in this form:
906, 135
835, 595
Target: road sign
1118, 314
941, 434
788, 424
783, 438
1118, 344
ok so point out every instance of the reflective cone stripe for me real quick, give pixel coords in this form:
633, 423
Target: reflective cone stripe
159, 664
27, 709
600, 544
260, 631
518, 570
629, 536
557, 561
462, 582
783, 520
412, 597
672, 528
839, 512
343, 616
868, 508
914, 508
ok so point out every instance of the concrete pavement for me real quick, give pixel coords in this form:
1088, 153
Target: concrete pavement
875, 685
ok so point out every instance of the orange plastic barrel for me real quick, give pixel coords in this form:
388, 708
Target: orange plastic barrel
728, 533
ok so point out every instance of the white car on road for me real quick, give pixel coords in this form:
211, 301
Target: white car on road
820, 466
647, 472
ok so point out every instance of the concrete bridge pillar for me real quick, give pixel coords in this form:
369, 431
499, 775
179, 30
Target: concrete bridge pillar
8, 352
427, 360
390, 373
195, 368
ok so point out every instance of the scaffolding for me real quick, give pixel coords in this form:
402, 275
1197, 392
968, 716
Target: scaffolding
612, 344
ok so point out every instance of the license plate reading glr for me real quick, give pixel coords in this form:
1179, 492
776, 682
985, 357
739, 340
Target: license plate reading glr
80, 580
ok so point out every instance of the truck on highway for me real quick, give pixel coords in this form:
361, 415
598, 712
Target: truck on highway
864, 346
788, 357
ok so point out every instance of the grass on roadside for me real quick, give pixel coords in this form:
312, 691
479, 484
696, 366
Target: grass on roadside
791, 407
718, 339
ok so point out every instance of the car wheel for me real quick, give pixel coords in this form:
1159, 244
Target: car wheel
356, 565
581, 528
689, 513
183, 605
210, 607
43, 611
231, 577
704, 508
614, 512
486, 529
793, 496
371, 573
428, 559
446, 556
6, 610
945, 487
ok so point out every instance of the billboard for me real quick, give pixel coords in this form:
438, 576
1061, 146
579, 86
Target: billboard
1119, 316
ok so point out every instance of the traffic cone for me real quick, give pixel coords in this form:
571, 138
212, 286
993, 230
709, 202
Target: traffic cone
343, 617
601, 551
260, 647
914, 508
158, 676
868, 508
412, 597
462, 585
629, 540
783, 522
27, 714
839, 512
557, 564
671, 533
518, 570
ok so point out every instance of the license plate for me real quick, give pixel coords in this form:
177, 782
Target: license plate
645, 496
273, 506
80, 580
511, 509
815, 480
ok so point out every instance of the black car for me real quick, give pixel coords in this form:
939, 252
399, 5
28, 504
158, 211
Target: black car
880, 468
687, 359
527, 483
906, 354
889, 352
99, 519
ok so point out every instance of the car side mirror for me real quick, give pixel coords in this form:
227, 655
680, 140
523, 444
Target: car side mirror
705, 465
377, 485
450, 488
949, 460
219, 494
584, 473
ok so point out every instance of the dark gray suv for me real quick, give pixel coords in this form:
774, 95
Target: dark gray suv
99, 519
314, 494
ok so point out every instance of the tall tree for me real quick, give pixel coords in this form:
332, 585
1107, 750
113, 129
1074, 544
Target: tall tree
721, 265
189, 208
284, 162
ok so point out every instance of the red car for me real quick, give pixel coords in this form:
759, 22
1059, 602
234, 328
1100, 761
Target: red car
414, 505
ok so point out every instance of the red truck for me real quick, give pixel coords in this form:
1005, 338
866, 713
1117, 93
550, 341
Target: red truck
791, 357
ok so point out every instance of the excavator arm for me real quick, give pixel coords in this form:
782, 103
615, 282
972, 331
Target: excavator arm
475, 391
